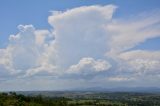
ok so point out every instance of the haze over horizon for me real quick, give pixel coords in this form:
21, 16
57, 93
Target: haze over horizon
59, 45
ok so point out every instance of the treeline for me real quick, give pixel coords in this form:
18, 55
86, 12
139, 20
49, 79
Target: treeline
13, 99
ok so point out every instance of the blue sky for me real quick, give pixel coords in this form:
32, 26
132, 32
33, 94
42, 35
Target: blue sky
110, 42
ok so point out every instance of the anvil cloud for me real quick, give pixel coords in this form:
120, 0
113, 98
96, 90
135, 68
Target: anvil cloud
87, 42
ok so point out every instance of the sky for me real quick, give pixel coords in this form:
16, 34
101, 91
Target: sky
70, 44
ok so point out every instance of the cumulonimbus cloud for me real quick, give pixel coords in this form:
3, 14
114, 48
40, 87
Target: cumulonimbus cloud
87, 31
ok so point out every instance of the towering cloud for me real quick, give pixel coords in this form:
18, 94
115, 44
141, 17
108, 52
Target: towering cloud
86, 42
80, 32
24, 52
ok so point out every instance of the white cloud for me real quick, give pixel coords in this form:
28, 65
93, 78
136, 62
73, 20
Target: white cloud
77, 33
42, 37
120, 79
127, 34
88, 66
24, 52
80, 33
87, 12
142, 61
85, 41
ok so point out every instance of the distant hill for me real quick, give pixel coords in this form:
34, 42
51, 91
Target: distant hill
121, 89
89, 92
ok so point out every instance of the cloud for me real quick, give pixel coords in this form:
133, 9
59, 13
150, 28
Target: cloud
141, 61
119, 79
80, 33
26, 51
86, 42
43, 37
75, 35
88, 66
129, 33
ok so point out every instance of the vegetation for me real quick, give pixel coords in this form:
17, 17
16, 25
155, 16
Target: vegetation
12, 99
94, 99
